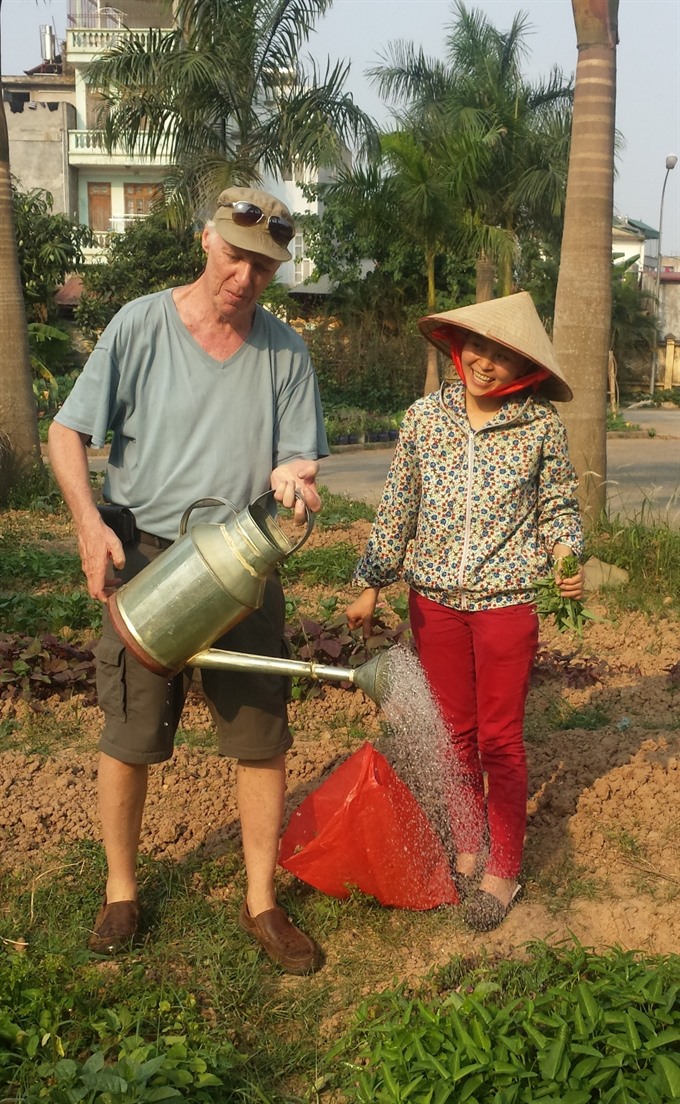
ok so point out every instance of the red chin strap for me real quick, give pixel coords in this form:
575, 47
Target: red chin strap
456, 341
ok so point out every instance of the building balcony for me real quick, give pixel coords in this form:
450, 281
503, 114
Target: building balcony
88, 148
118, 224
83, 44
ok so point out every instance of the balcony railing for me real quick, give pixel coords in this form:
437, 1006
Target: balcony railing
86, 13
82, 43
88, 146
102, 238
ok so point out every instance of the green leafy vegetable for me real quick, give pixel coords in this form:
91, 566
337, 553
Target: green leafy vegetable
569, 614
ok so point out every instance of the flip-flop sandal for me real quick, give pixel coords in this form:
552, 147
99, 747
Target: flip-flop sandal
484, 911
464, 883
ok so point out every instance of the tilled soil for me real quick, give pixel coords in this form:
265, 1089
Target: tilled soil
602, 850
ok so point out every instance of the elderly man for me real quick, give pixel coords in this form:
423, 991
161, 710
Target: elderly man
206, 394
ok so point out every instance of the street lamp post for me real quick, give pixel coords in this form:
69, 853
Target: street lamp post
671, 162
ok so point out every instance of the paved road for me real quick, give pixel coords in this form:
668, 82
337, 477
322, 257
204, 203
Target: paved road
643, 472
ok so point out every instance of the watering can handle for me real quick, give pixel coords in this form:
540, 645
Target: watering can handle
202, 502
226, 502
309, 516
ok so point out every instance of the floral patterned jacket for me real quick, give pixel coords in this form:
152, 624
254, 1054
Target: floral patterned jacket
472, 516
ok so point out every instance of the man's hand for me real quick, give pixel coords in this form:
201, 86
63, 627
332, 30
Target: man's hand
297, 475
99, 547
100, 550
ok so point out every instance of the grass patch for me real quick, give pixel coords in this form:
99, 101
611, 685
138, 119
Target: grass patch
197, 739
339, 510
40, 733
197, 1009
53, 612
589, 717
41, 589
30, 567
333, 566
199, 1014
649, 549
625, 842
560, 885
617, 423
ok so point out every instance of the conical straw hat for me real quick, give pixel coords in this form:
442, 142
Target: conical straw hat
512, 321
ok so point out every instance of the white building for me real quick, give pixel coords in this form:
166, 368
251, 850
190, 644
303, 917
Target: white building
56, 140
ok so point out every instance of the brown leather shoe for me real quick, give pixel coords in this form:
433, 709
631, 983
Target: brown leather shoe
282, 941
115, 928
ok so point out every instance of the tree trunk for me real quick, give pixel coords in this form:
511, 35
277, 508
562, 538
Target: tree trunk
583, 303
485, 275
19, 441
432, 380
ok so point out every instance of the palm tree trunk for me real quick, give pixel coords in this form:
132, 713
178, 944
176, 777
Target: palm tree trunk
432, 370
19, 441
485, 276
583, 302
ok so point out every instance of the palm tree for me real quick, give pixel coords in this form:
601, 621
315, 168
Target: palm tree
479, 92
407, 197
226, 97
19, 441
583, 305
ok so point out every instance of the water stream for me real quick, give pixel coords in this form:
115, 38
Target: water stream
419, 748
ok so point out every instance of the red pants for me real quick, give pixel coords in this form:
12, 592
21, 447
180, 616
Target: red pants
479, 665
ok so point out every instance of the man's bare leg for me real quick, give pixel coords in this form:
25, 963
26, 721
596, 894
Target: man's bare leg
260, 790
122, 793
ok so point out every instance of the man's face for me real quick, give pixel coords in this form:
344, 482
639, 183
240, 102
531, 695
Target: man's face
235, 277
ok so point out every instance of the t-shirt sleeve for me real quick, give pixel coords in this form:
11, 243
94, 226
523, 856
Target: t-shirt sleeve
299, 428
91, 406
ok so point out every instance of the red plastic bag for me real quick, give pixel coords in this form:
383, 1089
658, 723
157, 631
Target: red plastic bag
363, 828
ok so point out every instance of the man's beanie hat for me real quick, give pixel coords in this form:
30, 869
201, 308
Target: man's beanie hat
512, 321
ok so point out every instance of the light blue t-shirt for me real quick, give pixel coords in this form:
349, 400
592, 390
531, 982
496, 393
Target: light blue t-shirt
186, 426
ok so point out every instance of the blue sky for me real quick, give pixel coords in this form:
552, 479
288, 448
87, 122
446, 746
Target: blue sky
648, 67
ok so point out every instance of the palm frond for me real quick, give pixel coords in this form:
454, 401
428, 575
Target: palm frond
407, 74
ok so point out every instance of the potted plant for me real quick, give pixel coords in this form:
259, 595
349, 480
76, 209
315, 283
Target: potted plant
352, 421
372, 427
394, 422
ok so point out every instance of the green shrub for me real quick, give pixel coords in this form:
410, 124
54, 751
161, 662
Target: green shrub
147, 257
60, 1043
365, 367
568, 1027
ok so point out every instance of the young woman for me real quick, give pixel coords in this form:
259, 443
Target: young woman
480, 502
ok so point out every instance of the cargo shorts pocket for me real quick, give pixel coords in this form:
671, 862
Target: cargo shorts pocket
110, 679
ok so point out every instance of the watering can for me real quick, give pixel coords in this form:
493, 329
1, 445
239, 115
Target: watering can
207, 581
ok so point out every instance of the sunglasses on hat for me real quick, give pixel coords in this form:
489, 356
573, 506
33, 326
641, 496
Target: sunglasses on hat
248, 214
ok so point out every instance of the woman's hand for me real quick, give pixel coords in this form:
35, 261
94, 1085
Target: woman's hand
570, 585
360, 612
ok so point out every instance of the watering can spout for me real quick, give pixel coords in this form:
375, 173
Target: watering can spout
373, 677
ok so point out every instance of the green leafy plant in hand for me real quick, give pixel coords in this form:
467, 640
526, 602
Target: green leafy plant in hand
569, 614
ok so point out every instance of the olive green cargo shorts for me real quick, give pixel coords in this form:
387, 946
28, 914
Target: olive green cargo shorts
142, 710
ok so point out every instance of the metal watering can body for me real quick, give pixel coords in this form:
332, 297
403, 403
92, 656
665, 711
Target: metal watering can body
207, 581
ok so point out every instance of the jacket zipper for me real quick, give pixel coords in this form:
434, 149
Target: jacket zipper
468, 518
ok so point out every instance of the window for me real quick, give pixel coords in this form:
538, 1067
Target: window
140, 198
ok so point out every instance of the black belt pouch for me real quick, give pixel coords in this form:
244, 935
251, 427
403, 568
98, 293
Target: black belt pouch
121, 519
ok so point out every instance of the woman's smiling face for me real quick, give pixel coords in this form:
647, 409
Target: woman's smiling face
488, 365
